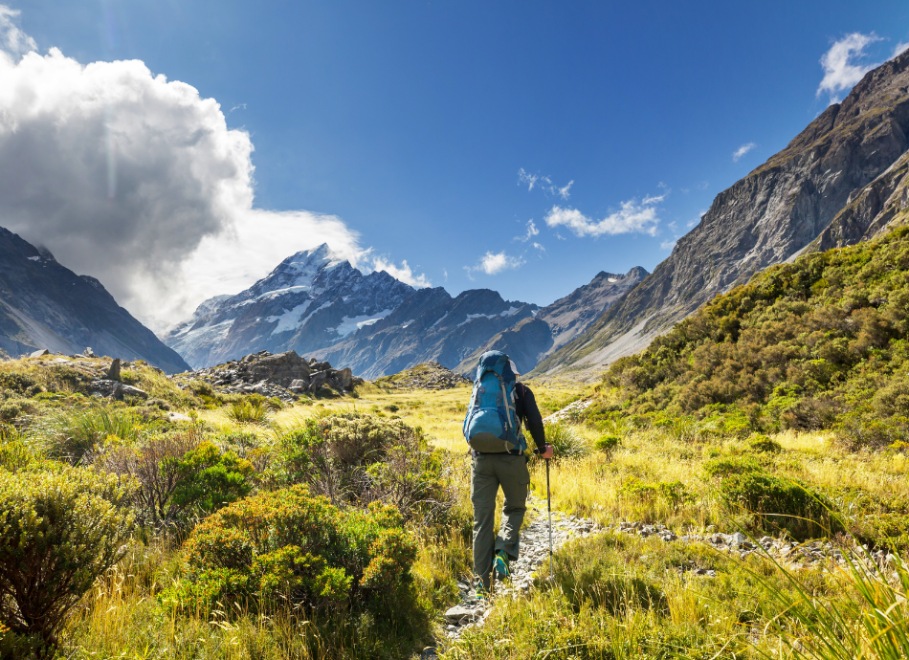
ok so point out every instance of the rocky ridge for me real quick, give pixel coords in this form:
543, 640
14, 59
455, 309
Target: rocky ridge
531, 339
44, 305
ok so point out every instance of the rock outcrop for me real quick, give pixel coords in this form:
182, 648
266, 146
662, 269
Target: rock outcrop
284, 375
426, 376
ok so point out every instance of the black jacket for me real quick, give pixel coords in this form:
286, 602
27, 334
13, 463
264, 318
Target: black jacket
526, 407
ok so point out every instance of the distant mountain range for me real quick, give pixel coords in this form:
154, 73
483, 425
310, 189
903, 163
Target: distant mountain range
321, 306
45, 305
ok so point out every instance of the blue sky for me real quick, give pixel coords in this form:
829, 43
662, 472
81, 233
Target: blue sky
520, 146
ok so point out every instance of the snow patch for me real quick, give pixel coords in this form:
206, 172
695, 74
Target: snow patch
276, 293
34, 258
289, 320
350, 324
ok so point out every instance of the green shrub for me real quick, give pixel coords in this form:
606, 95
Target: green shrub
565, 441
761, 443
59, 530
209, 478
780, 504
364, 458
178, 474
250, 410
290, 547
607, 443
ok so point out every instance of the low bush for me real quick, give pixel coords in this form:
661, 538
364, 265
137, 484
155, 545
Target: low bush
607, 443
178, 475
775, 503
288, 549
250, 410
59, 530
364, 458
758, 442
566, 442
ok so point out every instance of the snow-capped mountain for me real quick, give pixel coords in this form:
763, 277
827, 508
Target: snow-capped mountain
430, 326
310, 301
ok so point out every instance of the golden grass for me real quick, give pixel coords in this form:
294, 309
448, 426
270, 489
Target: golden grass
651, 476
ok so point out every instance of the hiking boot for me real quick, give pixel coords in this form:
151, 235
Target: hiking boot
481, 595
500, 564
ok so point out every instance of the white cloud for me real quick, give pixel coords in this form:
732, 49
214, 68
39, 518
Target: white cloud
633, 217
495, 262
13, 41
841, 71
900, 48
529, 233
137, 181
402, 272
565, 191
544, 182
668, 245
527, 179
741, 151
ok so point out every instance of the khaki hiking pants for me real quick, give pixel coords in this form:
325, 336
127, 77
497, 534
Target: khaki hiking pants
489, 472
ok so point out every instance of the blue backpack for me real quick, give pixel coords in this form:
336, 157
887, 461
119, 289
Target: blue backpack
492, 424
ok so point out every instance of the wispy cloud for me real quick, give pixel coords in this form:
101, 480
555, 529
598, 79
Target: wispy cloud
13, 41
633, 216
741, 151
900, 48
493, 263
545, 183
840, 64
402, 272
530, 232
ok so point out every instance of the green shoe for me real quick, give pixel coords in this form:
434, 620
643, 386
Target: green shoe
501, 565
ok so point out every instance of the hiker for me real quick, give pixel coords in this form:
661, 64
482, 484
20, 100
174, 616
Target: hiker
499, 406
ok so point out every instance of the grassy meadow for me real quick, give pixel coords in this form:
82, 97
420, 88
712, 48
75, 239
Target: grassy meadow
184, 576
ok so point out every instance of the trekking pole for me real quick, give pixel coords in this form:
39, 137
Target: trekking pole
549, 510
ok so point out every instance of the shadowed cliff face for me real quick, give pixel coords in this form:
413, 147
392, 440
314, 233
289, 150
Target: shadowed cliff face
45, 305
839, 181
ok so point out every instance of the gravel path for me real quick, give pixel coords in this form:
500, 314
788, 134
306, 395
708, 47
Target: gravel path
535, 550
534, 553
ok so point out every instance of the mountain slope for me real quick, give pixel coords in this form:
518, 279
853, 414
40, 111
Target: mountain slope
45, 305
816, 344
768, 217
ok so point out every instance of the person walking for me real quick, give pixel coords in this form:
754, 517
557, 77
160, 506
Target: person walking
500, 464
